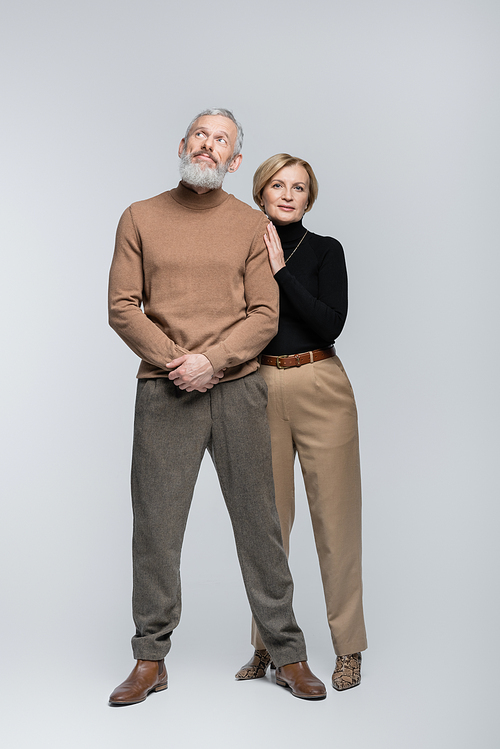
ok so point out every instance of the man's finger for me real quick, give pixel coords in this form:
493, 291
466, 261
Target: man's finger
177, 362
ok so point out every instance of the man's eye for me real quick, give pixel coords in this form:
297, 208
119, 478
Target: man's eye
221, 140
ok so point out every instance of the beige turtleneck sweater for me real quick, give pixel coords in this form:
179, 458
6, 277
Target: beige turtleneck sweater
198, 266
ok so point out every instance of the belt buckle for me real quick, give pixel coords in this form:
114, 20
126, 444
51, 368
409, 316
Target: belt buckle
288, 356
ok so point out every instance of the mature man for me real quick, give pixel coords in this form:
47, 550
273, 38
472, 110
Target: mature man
194, 258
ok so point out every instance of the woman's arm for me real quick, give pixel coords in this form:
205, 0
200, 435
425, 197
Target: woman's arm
326, 313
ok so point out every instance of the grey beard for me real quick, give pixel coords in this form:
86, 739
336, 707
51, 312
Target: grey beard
202, 176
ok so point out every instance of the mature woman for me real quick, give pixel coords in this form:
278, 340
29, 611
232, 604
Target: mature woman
311, 408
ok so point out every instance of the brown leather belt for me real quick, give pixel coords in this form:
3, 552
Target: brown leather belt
297, 360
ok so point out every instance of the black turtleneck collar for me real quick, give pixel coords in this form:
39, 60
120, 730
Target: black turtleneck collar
291, 232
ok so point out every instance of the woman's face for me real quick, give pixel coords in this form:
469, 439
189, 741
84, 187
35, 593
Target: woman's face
285, 196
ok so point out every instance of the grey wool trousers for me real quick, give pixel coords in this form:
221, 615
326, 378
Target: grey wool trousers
172, 430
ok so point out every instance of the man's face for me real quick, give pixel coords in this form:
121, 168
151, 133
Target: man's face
211, 142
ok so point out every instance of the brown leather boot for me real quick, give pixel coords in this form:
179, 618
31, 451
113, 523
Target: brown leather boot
256, 667
347, 672
146, 677
299, 678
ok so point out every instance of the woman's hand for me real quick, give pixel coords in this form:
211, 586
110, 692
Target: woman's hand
274, 249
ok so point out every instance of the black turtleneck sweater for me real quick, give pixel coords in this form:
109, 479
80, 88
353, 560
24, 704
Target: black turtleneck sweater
313, 292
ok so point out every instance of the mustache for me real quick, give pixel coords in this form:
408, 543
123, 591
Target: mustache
204, 153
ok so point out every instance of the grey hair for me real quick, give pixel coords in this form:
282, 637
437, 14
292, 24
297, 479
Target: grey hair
221, 113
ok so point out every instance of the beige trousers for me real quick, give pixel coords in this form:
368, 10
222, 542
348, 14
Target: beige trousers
312, 412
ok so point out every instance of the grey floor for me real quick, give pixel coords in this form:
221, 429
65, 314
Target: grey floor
424, 683
409, 697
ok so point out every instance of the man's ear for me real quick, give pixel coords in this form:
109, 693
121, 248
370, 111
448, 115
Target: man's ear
181, 147
235, 163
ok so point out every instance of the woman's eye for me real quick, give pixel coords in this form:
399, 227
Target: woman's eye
299, 188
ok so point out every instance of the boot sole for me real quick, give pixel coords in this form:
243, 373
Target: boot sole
282, 683
158, 688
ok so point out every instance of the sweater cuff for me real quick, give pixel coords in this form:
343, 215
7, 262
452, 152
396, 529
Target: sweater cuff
281, 274
178, 352
217, 356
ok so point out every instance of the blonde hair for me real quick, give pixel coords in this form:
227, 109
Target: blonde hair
273, 164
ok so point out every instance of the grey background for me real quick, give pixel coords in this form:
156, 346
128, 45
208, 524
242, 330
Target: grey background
396, 105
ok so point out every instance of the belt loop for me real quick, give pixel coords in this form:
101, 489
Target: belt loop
311, 357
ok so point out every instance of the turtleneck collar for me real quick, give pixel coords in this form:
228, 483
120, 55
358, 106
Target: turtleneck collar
190, 199
291, 232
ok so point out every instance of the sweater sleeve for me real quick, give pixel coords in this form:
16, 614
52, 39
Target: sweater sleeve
125, 298
247, 339
326, 313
